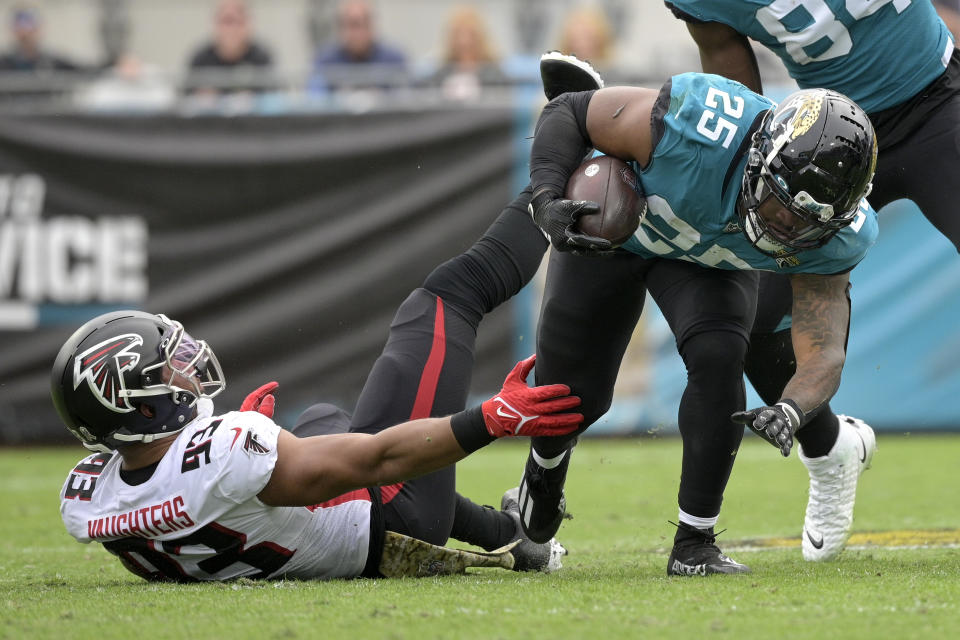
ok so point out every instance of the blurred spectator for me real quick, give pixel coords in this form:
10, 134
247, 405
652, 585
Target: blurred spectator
469, 62
232, 57
587, 34
28, 53
128, 85
359, 59
949, 11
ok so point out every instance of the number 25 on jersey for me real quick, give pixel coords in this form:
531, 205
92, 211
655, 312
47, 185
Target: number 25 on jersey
712, 125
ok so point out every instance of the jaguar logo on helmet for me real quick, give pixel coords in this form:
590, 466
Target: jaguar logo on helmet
102, 366
813, 158
797, 116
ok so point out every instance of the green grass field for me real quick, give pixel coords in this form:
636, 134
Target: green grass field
613, 585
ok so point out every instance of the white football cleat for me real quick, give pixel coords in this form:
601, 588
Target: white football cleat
833, 489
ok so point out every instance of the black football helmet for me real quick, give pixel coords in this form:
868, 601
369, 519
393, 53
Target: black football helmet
118, 361
816, 154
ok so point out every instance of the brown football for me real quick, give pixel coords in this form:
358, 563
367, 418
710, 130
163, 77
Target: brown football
611, 183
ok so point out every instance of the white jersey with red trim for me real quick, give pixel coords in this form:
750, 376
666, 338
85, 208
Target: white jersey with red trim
198, 516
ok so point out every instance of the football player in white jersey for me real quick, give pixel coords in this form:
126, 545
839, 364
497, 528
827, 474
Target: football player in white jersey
179, 492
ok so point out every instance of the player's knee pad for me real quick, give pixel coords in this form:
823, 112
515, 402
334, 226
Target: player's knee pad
419, 304
459, 282
496, 267
714, 357
595, 399
593, 411
474, 282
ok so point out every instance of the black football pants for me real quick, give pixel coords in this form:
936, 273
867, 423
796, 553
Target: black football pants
589, 311
425, 370
924, 168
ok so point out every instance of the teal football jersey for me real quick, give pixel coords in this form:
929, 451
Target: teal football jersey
692, 184
877, 52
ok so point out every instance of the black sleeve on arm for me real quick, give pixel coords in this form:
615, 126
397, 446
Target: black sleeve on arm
470, 429
560, 143
683, 15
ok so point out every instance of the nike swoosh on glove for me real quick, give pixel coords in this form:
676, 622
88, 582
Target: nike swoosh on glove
521, 410
773, 424
261, 400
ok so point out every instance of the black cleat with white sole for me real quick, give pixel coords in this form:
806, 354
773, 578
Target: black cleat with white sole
529, 555
562, 73
696, 554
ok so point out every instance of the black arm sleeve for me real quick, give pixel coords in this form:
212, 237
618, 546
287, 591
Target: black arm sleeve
560, 142
470, 429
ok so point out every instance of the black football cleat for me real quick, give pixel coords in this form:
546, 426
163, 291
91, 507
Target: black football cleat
529, 555
541, 499
695, 554
562, 73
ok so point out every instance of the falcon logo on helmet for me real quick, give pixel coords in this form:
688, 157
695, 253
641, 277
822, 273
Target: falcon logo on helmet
129, 376
103, 365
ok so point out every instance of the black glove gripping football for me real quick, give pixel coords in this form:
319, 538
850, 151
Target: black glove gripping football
775, 424
558, 217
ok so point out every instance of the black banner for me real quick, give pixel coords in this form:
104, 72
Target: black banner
286, 242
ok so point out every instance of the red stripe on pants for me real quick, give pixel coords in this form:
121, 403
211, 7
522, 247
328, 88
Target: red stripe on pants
427, 391
356, 494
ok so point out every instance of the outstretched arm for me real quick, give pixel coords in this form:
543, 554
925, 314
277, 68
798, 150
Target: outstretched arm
821, 320
311, 470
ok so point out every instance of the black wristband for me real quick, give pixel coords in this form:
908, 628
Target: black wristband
542, 197
801, 417
470, 430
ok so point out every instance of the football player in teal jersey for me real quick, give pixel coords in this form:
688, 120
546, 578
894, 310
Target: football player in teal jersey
790, 181
896, 59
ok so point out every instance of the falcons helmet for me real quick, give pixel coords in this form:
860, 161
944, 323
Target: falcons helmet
119, 361
816, 154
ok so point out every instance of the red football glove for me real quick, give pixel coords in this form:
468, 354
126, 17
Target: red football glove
521, 410
261, 400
